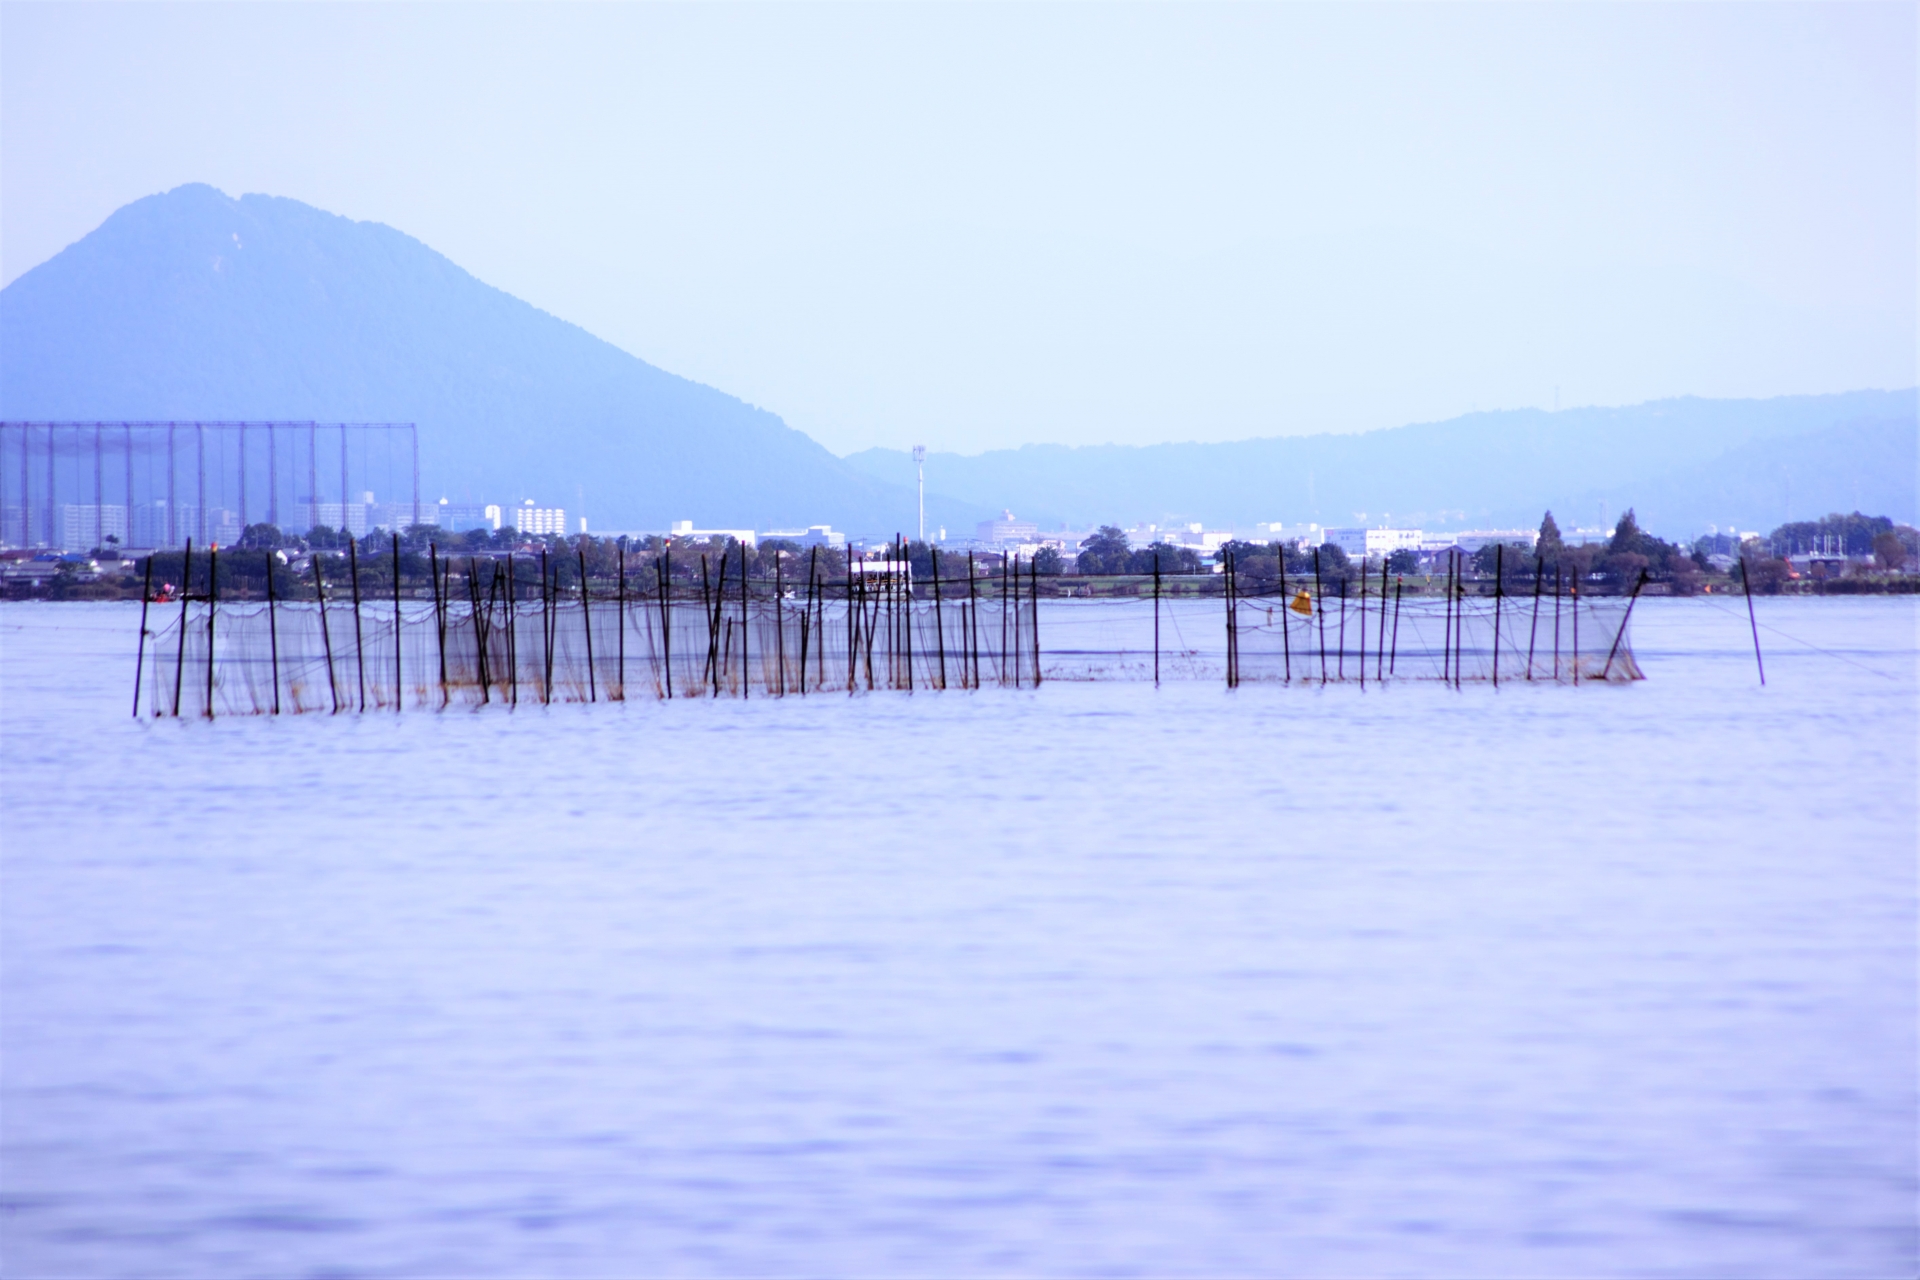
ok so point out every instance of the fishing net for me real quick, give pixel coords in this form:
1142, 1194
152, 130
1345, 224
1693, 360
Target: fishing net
486, 639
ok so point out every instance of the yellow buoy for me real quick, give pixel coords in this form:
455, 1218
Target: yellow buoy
1302, 604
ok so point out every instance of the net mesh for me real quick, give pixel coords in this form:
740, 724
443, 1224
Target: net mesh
490, 642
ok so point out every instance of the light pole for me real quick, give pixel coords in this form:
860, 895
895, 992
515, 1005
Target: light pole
920, 467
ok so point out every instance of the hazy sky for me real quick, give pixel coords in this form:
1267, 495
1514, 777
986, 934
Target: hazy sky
986, 225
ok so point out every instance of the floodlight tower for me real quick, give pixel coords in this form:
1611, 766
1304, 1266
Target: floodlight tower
920, 466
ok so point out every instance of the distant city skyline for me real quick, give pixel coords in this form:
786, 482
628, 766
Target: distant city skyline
976, 228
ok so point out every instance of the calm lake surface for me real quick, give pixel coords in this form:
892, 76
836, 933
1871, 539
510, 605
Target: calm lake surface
1094, 980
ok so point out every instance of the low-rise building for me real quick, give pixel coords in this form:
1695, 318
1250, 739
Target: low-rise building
1374, 543
685, 529
1006, 530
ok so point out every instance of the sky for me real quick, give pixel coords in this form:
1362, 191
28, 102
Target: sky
981, 226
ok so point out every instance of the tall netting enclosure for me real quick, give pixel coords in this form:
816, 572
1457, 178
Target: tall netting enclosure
506, 632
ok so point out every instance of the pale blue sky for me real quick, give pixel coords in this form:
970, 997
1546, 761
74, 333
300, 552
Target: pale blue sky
980, 226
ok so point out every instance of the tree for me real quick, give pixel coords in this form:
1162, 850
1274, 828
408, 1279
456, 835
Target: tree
1047, 563
1404, 561
1889, 551
1105, 552
260, 537
1171, 559
1550, 546
1626, 535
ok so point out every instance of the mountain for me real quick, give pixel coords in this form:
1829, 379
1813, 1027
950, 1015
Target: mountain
193, 305
1682, 463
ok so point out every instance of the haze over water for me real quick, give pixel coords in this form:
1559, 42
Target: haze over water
1093, 980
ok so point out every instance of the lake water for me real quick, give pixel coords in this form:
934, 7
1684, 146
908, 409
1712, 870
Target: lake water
1094, 980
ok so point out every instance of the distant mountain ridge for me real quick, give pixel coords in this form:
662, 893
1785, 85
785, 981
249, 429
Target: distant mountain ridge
191, 304
1682, 464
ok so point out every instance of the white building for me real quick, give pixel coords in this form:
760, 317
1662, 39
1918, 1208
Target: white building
536, 520
814, 535
84, 527
1373, 543
1005, 530
685, 529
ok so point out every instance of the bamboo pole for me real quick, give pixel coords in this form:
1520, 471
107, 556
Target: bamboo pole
326, 634
273, 631
1556, 621
1533, 629
1033, 575
1576, 627
1499, 594
140, 654
939, 621
1320, 614
973, 620
1156, 619
1340, 661
1393, 655
1625, 618
1286, 607
547, 612
213, 601
586, 622
399, 687
479, 630
439, 616
665, 566
620, 663
1380, 649
806, 615
779, 626
1363, 620
359, 649
1753, 623
513, 634
186, 592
